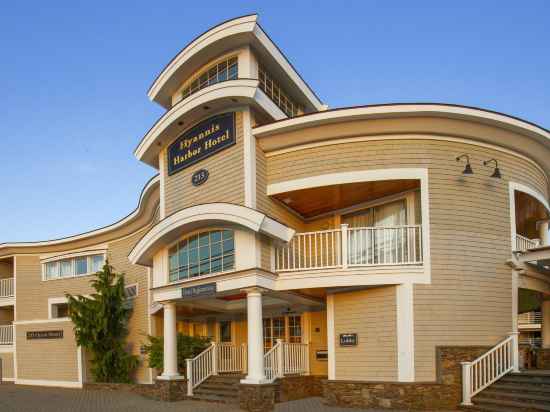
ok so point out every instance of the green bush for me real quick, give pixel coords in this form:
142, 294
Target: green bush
188, 347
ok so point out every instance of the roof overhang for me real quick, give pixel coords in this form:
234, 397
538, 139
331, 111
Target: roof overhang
222, 38
196, 107
192, 218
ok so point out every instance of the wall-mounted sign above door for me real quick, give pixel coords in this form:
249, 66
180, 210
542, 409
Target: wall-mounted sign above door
201, 141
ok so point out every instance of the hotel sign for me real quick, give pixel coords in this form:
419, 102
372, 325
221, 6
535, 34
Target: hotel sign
201, 141
200, 291
45, 334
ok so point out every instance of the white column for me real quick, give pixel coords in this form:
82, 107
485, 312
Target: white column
256, 371
331, 338
545, 309
543, 232
170, 343
405, 332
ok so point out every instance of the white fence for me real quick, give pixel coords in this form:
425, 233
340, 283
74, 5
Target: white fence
530, 318
489, 367
231, 358
340, 248
523, 243
286, 359
6, 335
6, 288
200, 368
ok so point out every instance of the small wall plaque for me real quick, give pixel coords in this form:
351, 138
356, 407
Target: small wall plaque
199, 177
348, 339
208, 289
321, 355
45, 334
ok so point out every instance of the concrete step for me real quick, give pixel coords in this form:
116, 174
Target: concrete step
203, 390
542, 398
526, 377
219, 386
214, 398
482, 402
520, 388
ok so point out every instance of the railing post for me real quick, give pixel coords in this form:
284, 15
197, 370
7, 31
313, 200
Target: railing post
307, 358
189, 373
280, 360
344, 239
515, 351
466, 383
244, 358
214, 358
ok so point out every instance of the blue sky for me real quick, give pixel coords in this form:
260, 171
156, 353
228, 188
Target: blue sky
74, 77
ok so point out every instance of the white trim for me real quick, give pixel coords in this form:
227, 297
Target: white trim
149, 315
331, 338
38, 382
162, 193
532, 192
79, 363
204, 215
88, 251
515, 300
41, 321
249, 161
7, 348
405, 332
14, 317
145, 192
8, 379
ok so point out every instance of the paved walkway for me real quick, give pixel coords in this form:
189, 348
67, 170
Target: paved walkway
17, 398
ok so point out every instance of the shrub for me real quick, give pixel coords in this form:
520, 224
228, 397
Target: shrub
188, 347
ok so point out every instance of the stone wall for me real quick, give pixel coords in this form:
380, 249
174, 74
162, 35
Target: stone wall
161, 390
257, 398
543, 359
445, 393
292, 388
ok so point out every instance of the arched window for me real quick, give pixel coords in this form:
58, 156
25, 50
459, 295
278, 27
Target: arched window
201, 254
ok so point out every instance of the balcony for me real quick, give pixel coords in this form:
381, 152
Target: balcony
530, 318
351, 247
523, 243
6, 288
6, 335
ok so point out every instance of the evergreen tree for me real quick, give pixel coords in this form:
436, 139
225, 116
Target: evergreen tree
101, 326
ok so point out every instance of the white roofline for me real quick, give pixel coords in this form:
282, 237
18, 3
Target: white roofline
150, 185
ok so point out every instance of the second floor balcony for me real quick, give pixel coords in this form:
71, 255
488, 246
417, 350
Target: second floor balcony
6, 288
6, 334
347, 247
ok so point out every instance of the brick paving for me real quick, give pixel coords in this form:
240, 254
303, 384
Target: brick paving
17, 398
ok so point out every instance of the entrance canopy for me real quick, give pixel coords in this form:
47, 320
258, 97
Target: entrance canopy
172, 227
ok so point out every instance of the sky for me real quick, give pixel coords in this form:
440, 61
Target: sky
74, 77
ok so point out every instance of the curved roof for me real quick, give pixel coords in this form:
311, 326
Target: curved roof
525, 138
148, 202
226, 36
169, 229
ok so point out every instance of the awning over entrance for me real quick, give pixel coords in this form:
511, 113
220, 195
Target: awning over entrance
187, 220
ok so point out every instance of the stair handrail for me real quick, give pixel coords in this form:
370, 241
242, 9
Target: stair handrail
489, 367
201, 367
273, 362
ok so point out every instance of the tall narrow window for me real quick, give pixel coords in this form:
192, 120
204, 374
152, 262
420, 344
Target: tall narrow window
225, 331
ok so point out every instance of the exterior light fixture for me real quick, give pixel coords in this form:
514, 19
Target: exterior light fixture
496, 173
468, 168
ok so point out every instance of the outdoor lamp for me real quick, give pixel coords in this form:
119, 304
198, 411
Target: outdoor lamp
468, 168
496, 173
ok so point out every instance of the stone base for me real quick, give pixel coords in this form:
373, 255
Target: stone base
257, 398
543, 359
444, 394
292, 388
161, 390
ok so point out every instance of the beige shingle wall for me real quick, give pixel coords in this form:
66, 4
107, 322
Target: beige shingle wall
372, 315
225, 182
7, 365
469, 299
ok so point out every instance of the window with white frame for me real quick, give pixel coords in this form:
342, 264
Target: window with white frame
276, 93
201, 254
226, 69
73, 267
131, 291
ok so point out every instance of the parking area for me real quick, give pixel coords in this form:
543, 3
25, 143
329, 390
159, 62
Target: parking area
16, 398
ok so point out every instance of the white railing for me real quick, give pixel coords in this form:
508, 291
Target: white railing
6, 335
200, 368
531, 341
530, 318
343, 247
6, 288
489, 367
286, 359
231, 358
524, 243
273, 362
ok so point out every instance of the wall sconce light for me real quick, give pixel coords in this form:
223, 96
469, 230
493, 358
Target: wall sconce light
468, 168
496, 173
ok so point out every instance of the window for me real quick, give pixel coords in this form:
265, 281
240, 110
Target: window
295, 329
274, 328
202, 254
78, 266
225, 331
59, 310
277, 94
131, 291
219, 72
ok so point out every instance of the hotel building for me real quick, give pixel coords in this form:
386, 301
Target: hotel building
375, 255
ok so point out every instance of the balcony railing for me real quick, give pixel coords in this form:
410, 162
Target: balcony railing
351, 247
530, 318
6, 335
523, 243
6, 288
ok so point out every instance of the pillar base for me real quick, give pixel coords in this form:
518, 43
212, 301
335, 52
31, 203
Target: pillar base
171, 378
257, 398
171, 390
253, 381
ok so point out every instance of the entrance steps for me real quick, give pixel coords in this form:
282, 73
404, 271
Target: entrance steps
219, 388
525, 391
